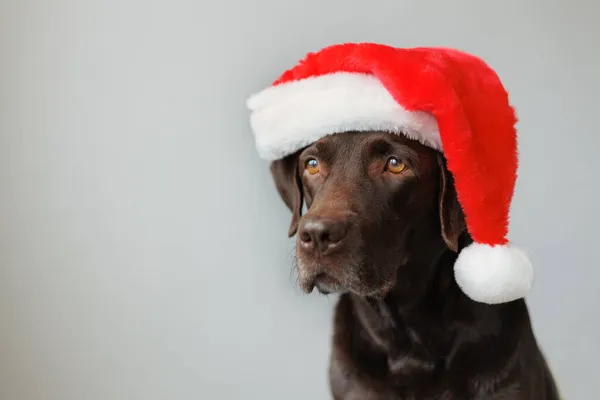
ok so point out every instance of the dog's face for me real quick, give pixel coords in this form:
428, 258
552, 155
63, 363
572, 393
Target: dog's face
373, 201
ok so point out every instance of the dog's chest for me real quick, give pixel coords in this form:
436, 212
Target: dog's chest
374, 359
356, 387
382, 358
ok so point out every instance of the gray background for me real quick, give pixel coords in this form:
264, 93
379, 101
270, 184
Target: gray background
143, 252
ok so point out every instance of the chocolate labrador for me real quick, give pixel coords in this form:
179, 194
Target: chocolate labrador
382, 230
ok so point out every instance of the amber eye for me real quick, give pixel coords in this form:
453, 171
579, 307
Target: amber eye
312, 166
395, 166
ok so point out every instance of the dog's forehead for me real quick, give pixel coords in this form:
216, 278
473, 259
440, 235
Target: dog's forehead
353, 143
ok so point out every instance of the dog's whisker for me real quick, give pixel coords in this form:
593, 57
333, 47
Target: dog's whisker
294, 266
294, 269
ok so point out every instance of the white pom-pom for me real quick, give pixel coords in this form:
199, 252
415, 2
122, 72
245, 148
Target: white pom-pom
493, 274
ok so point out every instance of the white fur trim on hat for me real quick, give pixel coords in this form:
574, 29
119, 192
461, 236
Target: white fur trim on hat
292, 115
493, 274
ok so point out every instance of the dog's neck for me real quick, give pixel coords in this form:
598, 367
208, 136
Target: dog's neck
423, 331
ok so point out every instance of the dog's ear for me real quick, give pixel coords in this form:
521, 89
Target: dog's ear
452, 219
287, 181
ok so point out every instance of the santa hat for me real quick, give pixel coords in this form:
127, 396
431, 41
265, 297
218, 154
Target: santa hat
444, 98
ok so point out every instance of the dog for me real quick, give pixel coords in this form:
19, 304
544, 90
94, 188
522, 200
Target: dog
382, 230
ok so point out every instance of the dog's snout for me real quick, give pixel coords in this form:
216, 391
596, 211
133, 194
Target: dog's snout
322, 234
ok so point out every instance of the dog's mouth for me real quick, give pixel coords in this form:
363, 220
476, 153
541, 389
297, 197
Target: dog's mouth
316, 276
323, 282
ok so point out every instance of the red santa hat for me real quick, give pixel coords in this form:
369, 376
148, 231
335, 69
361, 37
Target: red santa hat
444, 98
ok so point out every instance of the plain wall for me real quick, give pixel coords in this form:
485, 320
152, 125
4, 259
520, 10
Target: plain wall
143, 248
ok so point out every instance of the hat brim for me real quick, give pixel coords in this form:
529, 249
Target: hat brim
289, 116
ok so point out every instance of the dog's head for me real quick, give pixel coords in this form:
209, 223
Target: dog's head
374, 202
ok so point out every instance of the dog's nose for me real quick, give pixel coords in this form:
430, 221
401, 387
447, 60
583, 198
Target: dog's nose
322, 234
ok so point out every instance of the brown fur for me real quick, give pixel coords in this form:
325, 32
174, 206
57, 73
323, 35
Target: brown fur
386, 243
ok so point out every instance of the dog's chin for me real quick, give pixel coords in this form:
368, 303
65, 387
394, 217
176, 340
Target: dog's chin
328, 285
328, 282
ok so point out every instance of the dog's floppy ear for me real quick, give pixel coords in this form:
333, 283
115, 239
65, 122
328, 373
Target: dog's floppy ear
288, 183
451, 214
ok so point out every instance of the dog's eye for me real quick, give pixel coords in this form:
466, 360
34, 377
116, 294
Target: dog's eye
395, 166
312, 166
